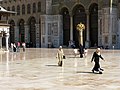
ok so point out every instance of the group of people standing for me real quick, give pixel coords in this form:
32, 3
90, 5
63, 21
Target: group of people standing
95, 57
15, 47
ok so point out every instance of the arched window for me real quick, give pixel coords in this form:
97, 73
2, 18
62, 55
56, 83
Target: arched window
18, 10
28, 9
39, 6
13, 9
8, 8
34, 7
23, 9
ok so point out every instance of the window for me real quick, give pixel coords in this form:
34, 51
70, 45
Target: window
18, 10
8, 8
39, 6
28, 9
34, 8
13, 9
23, 9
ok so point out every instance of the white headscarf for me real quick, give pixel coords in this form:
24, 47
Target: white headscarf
98, 51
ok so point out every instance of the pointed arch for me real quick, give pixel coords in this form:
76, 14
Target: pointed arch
79, 15
93, 24
21, 30
66, 25
32, 31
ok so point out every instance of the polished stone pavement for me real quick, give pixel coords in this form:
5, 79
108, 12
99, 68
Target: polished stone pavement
36, 69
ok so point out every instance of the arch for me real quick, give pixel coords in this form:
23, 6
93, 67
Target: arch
93, 24
66, 25
32, 31
12, 31
79, 8
21, 31
79, 15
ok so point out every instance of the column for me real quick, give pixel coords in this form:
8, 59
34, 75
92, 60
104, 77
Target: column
0, 42
71, 27
27, 36
37, 36
1, 35
16, 33
87, 43
7, 37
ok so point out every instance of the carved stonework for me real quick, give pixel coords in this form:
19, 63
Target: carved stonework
51, 30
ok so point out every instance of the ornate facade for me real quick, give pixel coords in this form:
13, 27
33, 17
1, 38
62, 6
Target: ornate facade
46, 23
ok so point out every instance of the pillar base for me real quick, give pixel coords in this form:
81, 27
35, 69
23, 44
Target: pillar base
87, 44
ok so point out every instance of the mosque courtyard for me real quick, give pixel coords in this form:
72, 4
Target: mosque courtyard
36, 69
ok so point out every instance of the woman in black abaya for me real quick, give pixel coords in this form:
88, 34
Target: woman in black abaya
95, 57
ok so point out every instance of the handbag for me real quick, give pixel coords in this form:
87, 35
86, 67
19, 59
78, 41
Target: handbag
64, 57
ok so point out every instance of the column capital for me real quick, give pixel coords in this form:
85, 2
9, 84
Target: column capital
70, 13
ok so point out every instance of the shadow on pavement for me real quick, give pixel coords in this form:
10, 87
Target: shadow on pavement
52, 65
88, 72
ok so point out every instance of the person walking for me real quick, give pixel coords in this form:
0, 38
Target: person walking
81, 51
95, 57
60, 55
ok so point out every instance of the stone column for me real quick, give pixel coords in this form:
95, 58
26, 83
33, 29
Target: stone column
1, 35
16, 33
0, 42
37, 36
27, 38
71, 27
87, 43
7, 37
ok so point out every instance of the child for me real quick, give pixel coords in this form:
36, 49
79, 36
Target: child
75, 51
96, 56
85, 52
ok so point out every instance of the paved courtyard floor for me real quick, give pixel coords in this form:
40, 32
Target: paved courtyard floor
36, 69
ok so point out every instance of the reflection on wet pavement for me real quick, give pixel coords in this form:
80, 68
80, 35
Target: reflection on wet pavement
36, 69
